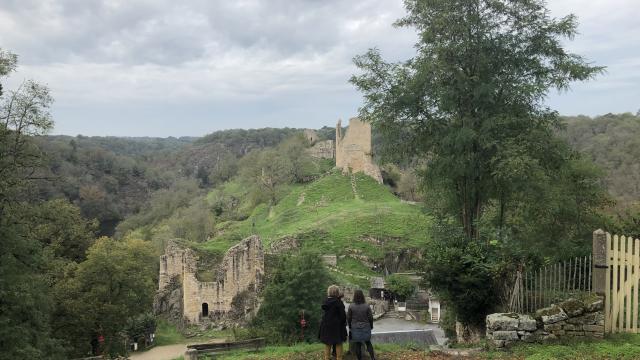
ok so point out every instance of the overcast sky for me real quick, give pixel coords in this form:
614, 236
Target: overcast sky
174, 68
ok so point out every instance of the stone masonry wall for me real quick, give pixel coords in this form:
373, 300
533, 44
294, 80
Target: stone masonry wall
322, 150
570, 318
241, 269
354, 151
171, 264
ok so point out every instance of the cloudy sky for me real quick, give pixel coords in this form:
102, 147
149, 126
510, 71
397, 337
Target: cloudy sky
173, 68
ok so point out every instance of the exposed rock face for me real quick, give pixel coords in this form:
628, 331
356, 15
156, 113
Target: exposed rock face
354, 151
241, 270
168, 300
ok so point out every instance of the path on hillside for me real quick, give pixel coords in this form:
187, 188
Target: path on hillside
166, 352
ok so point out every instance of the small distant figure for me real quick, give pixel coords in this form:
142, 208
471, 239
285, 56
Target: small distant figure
333, 330
360, 321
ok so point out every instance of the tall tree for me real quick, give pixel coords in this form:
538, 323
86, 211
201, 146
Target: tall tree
25, 306
472, 99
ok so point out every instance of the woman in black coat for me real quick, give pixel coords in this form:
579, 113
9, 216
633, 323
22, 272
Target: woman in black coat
333, 327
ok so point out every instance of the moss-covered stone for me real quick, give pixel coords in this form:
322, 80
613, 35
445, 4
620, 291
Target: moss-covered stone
573, 307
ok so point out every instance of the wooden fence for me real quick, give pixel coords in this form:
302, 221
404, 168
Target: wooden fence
621, 281
538, 288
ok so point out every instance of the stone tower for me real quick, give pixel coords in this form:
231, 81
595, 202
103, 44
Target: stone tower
354, 151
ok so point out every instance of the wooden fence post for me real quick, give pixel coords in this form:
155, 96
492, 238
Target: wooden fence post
599, 261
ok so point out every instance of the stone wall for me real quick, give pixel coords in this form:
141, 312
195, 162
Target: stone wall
354, 151
569, 319
241, 270
322, 150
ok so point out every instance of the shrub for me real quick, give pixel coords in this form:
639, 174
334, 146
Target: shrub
298, 283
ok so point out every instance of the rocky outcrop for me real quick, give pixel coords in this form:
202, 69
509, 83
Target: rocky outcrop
570, 318
168, 301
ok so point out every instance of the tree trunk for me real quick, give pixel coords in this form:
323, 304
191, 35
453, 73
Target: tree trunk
468, 334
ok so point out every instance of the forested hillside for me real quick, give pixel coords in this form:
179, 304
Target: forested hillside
612, 141
112, 178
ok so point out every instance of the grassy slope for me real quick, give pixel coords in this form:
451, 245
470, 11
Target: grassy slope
329, 217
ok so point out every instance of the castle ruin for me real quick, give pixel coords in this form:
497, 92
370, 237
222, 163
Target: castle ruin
354, 151
240, 272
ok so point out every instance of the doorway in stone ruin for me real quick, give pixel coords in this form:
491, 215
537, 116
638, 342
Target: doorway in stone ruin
205, 309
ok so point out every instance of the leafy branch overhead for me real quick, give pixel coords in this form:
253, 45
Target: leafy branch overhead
473, 96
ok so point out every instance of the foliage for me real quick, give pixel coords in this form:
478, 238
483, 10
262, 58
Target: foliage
140, 327
611, 141
298, 283
462, 273
60, 227
25, 306
400, 285
473, 106
113, 286
25, 303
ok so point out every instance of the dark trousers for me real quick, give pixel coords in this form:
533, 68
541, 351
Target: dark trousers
358, 348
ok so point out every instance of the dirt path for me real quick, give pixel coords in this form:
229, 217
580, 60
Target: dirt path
167, 352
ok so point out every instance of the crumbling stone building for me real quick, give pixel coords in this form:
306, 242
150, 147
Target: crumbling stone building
354, 151
238, 275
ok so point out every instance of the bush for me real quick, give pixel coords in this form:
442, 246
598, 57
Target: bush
401, 286
462, 273
298, 283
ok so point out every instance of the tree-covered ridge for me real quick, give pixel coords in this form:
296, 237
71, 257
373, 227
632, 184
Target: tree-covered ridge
612, 142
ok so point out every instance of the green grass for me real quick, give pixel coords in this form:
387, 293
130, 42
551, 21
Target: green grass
327, 217
301, 348
619, 346
167, 334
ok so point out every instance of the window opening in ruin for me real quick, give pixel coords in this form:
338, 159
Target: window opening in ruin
205, 309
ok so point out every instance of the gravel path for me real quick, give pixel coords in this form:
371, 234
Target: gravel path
167, 352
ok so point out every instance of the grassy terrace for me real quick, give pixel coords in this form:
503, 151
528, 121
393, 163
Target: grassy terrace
328, 216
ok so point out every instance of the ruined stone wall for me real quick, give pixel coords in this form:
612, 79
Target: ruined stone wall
571, 318
171, 264
354, 151
322, 150
241, 269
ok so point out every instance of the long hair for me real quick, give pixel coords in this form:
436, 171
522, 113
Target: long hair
358, 297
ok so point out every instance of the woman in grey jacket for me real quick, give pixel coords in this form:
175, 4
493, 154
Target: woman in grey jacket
360, 321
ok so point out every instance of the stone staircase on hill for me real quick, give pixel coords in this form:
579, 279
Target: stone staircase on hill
353, 186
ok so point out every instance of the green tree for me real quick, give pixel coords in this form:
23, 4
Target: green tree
401, 286
60, 227
113, 286
473, 95
25, 305
297, 283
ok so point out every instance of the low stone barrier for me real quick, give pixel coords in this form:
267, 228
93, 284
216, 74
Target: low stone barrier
570, 318
425, 337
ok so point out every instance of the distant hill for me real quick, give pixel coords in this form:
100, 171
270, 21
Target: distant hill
612, 141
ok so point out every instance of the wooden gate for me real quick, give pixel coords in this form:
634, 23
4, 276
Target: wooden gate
621, 280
